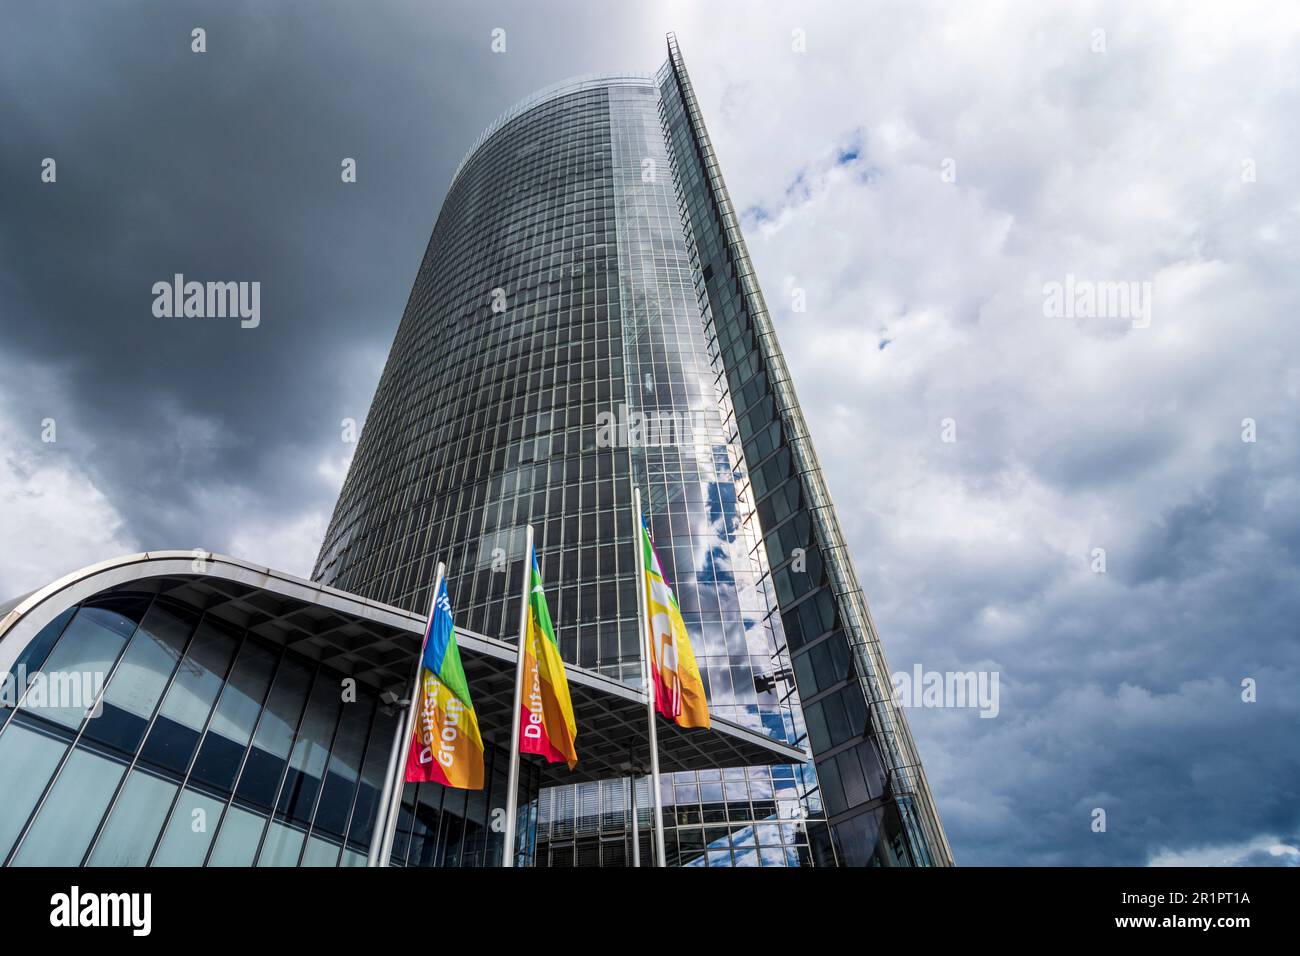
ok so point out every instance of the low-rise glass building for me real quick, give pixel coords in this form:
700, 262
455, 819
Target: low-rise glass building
168, 710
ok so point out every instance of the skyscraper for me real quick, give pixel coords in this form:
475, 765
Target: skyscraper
586, 319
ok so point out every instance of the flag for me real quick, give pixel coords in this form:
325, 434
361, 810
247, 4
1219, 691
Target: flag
445, 745
679, 691
546, 719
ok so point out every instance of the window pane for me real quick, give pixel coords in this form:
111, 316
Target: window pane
189, 832
321, 853
345, 764
31, 658
232, 724
71, 813
241, 831
815, 720
858, 838
837, 721
260, 778
311, 749
180, 721
424, 846
372, 781
79, 665
27, 761
832, 790
855, 787
283, 843
141, 677
138, 815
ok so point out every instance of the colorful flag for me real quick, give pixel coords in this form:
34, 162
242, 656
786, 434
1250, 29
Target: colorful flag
546, 719
445, 746
679, 691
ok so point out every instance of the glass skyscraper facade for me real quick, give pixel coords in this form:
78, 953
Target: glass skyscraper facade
586, 320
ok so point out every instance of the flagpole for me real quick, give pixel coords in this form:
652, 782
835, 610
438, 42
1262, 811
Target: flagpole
386, 794
512, 782
390, 800
636, 822
646, 658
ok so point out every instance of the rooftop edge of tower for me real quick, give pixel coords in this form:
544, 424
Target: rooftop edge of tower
576, 84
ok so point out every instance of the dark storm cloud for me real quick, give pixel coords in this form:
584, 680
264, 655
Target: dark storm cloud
225, 166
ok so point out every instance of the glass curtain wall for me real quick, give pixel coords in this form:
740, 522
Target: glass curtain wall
552, 355
197, 743
586, 319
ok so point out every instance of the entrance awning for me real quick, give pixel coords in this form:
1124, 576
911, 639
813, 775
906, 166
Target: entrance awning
376, 644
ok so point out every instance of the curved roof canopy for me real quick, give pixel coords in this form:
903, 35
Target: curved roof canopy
377, 645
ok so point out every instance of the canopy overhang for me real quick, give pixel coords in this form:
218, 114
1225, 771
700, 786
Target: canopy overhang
377, 645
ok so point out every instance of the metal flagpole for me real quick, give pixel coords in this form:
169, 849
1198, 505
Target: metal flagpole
636, 824
386, 794
390, 800
646, 658
512, 781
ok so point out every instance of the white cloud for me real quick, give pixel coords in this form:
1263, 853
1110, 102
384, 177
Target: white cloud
287, 544
55, 518
58, 517
286, 539
1072, 434
1235, 854
334, 469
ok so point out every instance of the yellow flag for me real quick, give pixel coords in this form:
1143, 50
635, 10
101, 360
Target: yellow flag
679, 691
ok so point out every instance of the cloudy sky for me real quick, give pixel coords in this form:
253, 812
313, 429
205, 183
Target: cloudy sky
917, 174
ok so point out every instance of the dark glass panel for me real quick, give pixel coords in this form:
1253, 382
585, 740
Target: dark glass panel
180, 721
223, 747
14, 681
141, 676
311, 749
75, 671
259, 781
340, 787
